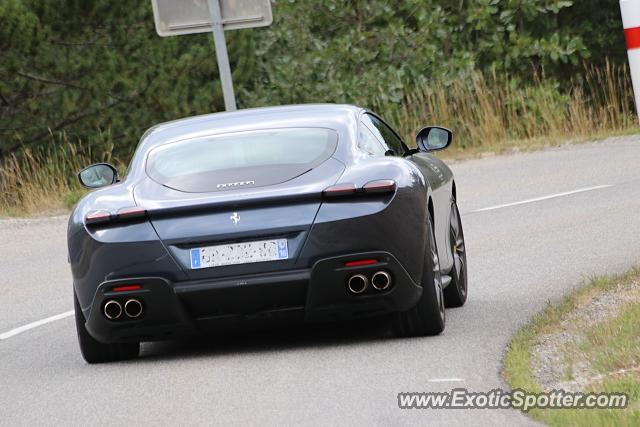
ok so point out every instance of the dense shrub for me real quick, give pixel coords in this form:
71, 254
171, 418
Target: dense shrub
94, 67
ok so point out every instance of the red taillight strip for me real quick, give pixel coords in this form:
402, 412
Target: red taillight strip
97, 217
371, 187
102, 216
340, 190
380, 186
131, 212
126, 288
360, 262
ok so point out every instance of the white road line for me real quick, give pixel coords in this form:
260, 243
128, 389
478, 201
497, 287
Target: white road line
445, 380
32, 325
538, 199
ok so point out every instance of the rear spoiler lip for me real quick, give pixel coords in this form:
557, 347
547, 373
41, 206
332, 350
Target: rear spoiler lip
227, 205
217, 206
234, 204
269, 201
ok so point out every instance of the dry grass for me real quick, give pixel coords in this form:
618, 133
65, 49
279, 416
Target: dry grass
43, 180
487, 113
494, 111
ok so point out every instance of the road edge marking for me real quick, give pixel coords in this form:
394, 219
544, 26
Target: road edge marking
539, 199
33, 325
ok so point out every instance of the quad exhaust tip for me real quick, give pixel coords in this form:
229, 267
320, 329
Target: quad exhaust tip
381, 281
133, 308
357, 284
112, 310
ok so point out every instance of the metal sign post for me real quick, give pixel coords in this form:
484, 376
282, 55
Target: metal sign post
177, 17
222, 55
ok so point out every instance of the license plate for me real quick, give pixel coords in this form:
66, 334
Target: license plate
239, 253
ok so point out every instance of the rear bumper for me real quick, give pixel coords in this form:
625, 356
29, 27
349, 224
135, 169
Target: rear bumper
318, 294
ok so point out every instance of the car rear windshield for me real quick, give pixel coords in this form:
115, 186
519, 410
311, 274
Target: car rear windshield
228, 161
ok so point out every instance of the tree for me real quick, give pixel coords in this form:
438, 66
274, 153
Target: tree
90, 67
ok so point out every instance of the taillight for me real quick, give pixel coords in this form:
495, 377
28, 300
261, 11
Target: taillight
339, 190
380, 186
123, 214
97, 217
131, 212
372, 187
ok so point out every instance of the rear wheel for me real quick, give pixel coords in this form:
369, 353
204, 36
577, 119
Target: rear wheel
428, 316
94, 351
455, 295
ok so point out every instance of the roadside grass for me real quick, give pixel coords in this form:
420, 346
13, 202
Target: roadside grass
611, 347
42, 181
615, 345
488, 114
495, 111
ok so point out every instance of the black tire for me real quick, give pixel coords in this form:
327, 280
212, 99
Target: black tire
455, 295
428, 316
94, 351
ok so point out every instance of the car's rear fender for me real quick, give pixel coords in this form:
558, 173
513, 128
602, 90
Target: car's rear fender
113, 249
395, 223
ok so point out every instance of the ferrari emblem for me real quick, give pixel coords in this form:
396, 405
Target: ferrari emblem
235, 218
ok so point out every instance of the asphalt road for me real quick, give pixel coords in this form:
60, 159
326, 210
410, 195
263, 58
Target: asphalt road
520, 257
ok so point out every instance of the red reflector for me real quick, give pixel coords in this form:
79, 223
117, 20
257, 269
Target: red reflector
95, 217
360, 262
131, 212
340, 190
126, 288
380, 186
633, 38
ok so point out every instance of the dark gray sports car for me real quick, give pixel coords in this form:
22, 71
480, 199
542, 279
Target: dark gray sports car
267, 216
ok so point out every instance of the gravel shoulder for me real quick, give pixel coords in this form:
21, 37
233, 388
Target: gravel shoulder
589, 342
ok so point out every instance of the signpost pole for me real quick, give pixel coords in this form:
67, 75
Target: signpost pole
221, 54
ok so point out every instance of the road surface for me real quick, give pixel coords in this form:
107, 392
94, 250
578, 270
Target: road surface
536, 225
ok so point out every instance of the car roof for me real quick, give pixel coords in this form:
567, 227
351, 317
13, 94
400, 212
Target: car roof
336, 116
340, 117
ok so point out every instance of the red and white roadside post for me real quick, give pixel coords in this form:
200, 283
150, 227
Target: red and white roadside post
631, 22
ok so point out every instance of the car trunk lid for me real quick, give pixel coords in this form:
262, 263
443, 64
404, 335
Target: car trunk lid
187, 221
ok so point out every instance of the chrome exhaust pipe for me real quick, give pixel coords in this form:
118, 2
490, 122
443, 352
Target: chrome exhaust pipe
133, 308
381, 280
357, 284
112, 310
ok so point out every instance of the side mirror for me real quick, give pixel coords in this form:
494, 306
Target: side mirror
434, 138
98, 175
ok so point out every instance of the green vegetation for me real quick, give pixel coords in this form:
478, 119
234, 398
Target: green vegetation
88, 77
494, 112
615, 344
610, 347
44, 180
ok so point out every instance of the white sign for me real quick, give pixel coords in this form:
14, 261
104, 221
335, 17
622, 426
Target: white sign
177, 17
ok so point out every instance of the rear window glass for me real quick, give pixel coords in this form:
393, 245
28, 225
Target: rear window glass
253, 158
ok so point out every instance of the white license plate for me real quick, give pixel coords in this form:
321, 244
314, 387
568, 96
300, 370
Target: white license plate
239, 253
